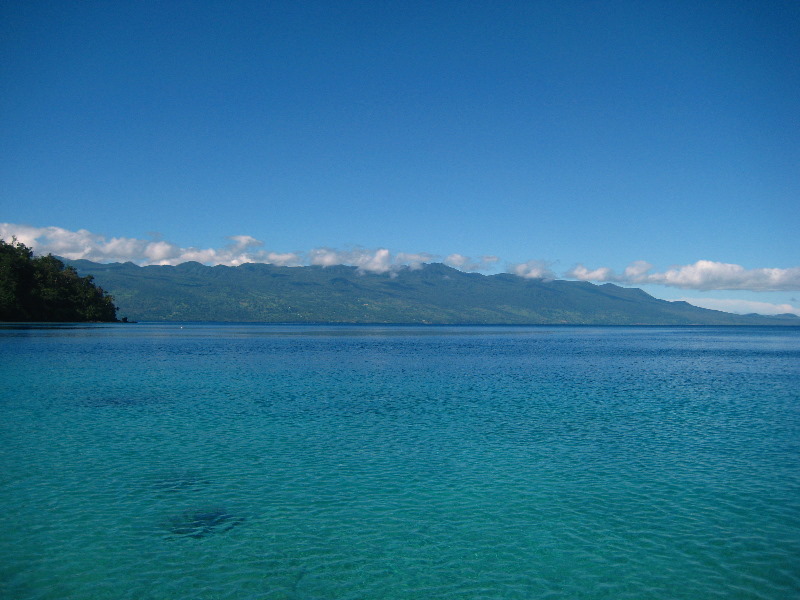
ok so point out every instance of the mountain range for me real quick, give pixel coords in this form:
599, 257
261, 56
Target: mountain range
432, 294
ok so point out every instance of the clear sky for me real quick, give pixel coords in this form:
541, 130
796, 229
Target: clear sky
566, 139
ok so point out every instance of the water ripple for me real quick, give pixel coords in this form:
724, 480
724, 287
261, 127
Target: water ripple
570, 463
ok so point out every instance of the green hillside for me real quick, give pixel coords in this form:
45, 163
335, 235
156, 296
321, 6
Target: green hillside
432, 294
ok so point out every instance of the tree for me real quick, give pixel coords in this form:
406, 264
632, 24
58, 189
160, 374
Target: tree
43, 289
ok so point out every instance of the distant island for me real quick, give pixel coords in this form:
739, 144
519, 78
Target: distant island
43, 288
431, 294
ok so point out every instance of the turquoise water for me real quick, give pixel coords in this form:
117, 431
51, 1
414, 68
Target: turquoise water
310, 462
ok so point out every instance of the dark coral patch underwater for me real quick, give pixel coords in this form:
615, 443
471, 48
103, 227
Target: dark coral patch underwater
201, 523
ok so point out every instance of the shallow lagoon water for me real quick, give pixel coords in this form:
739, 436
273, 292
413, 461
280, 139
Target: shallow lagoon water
169, 461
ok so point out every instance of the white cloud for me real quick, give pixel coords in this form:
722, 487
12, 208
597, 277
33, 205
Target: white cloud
702, 275
414, 260
581, 273
533, 269
283, 259
367, 261
324, 257
743, 306
71, 244
121, 248
379, 262
465, 263
161, 252
90, 246
84, 244
636, 270
241, 242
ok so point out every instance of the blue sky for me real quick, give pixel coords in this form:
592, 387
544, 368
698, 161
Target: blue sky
567, 139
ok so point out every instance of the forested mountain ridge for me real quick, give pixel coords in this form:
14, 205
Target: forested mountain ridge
434, 293
43, 288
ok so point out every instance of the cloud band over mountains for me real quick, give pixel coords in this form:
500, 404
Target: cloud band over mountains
702, 275
82, 244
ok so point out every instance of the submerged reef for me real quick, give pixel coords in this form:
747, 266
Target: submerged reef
201, 523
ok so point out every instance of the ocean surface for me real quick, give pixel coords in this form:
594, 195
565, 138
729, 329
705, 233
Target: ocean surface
264, 462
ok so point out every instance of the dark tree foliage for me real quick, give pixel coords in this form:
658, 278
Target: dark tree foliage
42, 288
